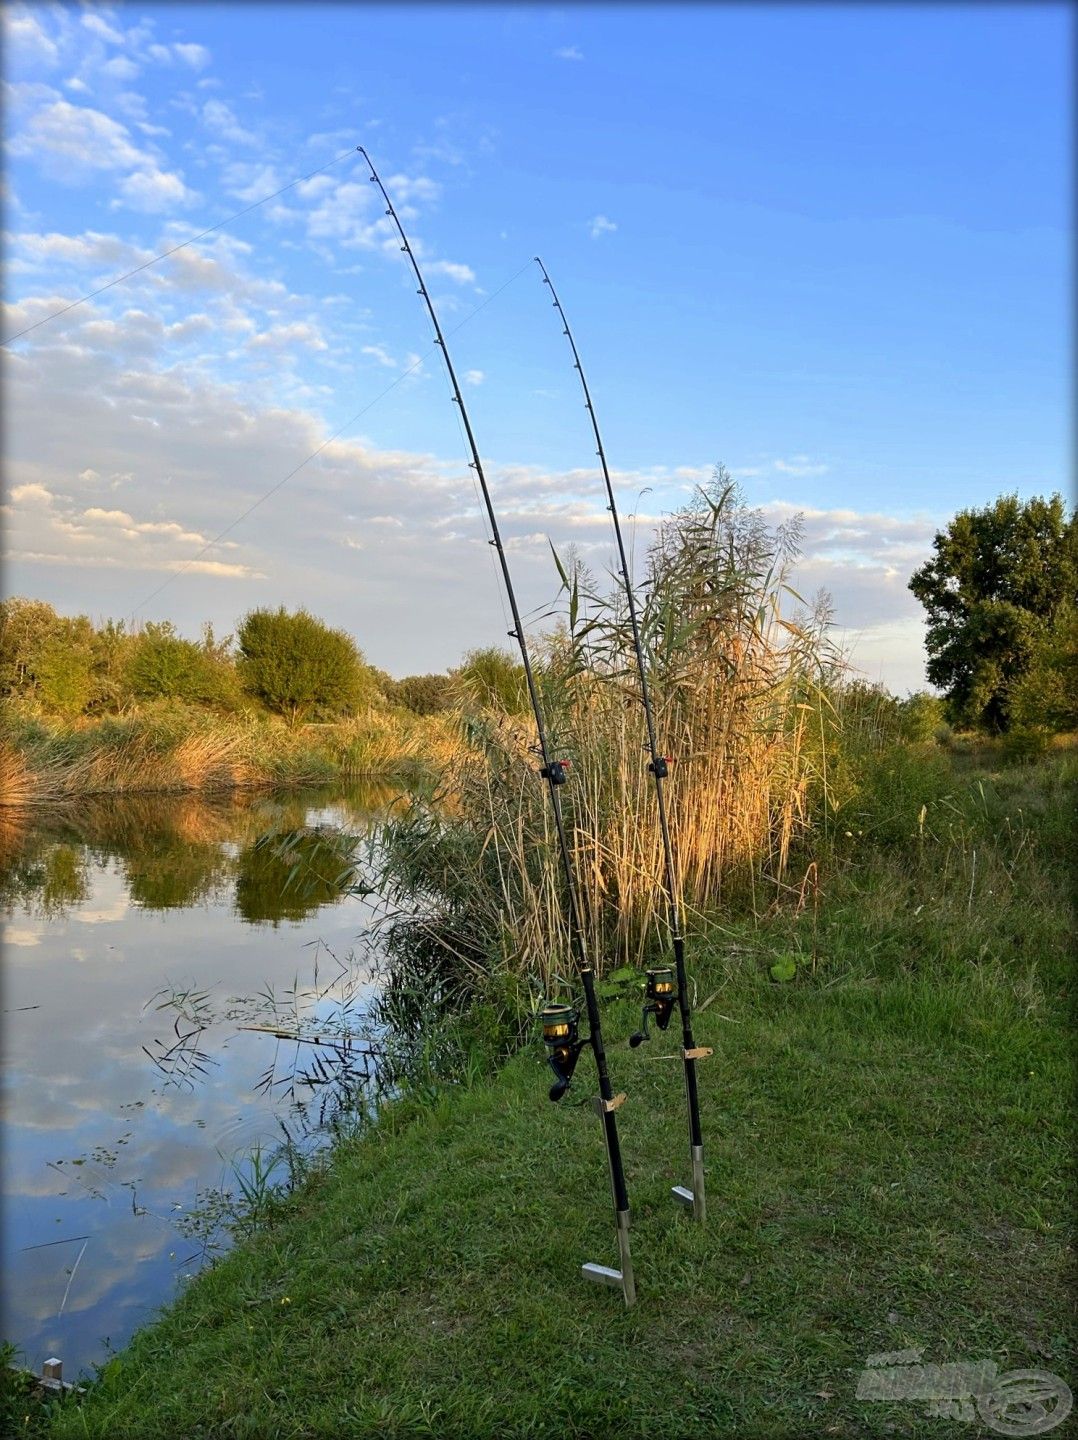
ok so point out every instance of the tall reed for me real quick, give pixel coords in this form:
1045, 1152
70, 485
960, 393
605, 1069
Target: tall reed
738, 667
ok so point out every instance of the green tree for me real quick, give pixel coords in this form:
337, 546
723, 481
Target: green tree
165, 666
493, 679
65, 673
298, 667
27, 627
1046, 696
992, 591
423, 694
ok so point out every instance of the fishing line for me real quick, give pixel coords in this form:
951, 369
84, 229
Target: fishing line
315, 453
182, 246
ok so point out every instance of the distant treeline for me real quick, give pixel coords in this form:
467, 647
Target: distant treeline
282, 663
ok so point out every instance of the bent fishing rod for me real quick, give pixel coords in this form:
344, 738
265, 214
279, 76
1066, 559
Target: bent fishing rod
560, 1032
662, 989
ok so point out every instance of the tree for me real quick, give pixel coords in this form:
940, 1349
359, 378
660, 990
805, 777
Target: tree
27, 629
298, 666
493, 679
164, 665
992, 591
1046, 697
423, 694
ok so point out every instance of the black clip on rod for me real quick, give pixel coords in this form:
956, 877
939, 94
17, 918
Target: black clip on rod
554, 772
660, 769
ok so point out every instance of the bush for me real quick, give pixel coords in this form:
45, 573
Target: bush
299, 667
165, 666
919, 717
423, 694
1023, 744
65, 675
492, 680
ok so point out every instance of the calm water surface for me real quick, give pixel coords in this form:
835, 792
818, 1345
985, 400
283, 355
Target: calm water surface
140, 936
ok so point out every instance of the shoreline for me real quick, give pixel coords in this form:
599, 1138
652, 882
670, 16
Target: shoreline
427, 1280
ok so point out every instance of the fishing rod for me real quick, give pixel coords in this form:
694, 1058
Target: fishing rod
663, 989
560, 1033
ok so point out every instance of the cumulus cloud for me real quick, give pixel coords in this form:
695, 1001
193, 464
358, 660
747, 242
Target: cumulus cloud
197, 56
75, 142
120, 67
78, 140
281, 337
155, 459
599, 225
461, 274
568, 52
154, 191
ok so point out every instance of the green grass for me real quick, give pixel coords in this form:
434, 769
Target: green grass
887, 1153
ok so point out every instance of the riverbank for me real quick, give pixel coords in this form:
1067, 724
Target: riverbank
887, 1146
176, 749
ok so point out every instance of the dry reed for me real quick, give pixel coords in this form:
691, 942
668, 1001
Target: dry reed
736, 684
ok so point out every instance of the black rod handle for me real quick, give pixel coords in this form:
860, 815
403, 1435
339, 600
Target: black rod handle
606, 1094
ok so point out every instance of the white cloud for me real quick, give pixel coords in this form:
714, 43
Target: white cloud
78, 140
153, 461
100, 27
31, 494
250, 182
120, 67
155, 190
568, 52
73, 142
197, 56
26, 40
461, 274
600, 225
222, 121
474, 377
90, 248
407, 188
379, 353
280, 337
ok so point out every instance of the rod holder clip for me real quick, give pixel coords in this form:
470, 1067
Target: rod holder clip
698, 1052
607, 1107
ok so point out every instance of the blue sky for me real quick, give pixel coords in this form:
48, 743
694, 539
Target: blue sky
827, 246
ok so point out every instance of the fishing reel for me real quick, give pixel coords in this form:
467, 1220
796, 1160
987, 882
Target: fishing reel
659, 1000
562, 1039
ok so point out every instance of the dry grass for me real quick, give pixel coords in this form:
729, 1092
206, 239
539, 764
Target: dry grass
175, 750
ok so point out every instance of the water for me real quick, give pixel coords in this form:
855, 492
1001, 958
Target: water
141, 934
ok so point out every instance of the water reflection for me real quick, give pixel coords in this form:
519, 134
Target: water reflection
169, 1005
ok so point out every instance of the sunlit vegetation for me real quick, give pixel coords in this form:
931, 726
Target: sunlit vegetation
92, 710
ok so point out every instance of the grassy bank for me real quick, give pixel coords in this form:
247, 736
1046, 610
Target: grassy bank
887, 1159
176, 748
